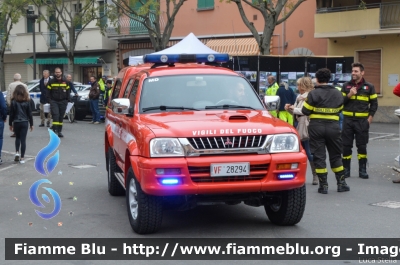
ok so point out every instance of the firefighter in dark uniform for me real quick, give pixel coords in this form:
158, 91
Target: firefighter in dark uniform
323, 105
360, 105
58, 94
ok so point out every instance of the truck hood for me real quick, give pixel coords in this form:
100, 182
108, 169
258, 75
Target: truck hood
214, 123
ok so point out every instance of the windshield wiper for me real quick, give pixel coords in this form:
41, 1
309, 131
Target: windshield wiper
229, 107
166, 107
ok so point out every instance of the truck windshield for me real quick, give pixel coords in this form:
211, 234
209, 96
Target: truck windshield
197, 92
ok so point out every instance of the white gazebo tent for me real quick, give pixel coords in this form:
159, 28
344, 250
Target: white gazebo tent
189, 45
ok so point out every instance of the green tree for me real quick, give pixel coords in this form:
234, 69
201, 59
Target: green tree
10, 13
68, 19
274, 12
148, 13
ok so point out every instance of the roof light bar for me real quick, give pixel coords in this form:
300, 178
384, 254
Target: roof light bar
186, 58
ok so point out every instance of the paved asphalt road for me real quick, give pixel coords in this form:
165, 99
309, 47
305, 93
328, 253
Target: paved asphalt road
88, 211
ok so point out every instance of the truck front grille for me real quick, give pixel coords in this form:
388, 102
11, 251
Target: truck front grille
227, 142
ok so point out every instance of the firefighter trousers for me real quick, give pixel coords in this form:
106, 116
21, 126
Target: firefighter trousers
325, 134
58, 109
358, 129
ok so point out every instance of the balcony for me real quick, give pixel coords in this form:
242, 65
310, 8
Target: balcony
52, 40
129, 28
375, 19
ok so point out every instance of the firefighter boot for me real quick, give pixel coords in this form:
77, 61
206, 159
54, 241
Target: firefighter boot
55, 129
341, 182
323, 183
315, 176
362, 168
346, 165
59, 131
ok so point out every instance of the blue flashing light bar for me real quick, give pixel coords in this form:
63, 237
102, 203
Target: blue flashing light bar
186, 58
170, 181
286, 176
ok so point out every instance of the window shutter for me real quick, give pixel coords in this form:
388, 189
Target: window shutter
372, 65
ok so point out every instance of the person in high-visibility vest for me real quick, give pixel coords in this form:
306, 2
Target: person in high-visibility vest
107, 92
101, 83
271, 90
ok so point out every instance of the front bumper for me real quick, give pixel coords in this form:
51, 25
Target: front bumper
195, 175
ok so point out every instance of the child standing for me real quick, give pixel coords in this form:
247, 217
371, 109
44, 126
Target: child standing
20, 119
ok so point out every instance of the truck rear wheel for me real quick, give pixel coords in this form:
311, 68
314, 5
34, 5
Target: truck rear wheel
114, 187
144, 211
288, 208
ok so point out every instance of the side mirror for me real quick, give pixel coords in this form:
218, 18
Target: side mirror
272, 102
120, 105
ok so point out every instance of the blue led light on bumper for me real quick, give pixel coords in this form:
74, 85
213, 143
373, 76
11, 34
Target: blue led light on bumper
169, 181
186, 58
286, 176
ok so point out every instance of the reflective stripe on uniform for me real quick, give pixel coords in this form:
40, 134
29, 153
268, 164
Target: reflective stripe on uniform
328, 110
344, 94
308, 106
323, 116
373, 96
355, 114
321, 170
57, 123
360, 97
347, 157
338, 169
360, 156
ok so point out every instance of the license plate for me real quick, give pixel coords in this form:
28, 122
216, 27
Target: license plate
230, 169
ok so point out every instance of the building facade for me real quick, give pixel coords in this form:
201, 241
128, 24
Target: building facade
218, 25
371, 34
94, 53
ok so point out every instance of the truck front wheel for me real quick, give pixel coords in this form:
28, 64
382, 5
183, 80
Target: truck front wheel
288, 206
144, 211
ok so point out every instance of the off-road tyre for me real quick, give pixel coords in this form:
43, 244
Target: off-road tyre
149, 208
289, 207
114, 186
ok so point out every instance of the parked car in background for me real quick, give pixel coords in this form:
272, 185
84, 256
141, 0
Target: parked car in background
82, 106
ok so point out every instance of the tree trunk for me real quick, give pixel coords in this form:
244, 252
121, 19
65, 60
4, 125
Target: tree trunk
2, 74
71, 65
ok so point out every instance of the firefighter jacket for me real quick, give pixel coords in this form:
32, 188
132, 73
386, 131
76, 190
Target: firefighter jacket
58, 90
272, 89
361, 105
324, 102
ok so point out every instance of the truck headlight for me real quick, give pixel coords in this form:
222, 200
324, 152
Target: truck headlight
163, 147
282, 143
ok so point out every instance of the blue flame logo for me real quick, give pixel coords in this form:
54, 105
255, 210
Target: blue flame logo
35, 200
45, 152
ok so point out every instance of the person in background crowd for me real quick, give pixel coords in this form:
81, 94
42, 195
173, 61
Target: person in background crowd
107, 92
323, 105
10, 90
304, 85
102, 84
58, 94
71, 84
338, 87
43, 100
3, 119
94, 95
271, 90
20, 116
360, 105
288, 98
396, 91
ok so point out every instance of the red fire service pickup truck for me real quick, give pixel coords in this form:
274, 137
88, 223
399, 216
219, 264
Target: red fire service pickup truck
181, 131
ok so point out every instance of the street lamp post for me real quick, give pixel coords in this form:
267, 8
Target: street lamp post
31, 15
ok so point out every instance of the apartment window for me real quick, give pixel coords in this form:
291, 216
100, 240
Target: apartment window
78, 8
29, 24
205, 4
371, 60
102, 13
